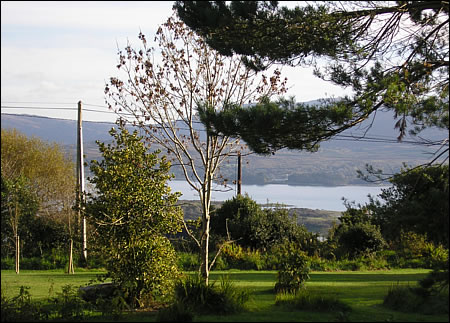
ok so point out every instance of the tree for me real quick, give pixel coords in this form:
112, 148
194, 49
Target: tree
356, 235
243, 220
48, 168
392, 55
416, 202
162, 97
132, 209
38, 171
17, 202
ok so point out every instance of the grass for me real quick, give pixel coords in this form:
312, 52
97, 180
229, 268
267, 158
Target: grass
363, 291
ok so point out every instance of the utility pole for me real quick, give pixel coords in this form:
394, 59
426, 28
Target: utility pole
80, 182
239, 174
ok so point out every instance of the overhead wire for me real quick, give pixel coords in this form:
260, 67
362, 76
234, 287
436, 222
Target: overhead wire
339, 137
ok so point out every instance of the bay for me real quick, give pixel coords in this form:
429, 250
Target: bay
310, 197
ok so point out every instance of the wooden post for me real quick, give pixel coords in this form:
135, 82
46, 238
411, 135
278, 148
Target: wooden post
239, 174
70, 269
17, 253
80, 174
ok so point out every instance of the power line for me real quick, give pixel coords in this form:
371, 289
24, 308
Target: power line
340, 137
33, 102
37, 108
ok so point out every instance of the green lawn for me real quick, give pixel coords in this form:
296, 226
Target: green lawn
363, 291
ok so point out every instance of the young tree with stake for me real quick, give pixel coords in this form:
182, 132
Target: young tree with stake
163, 97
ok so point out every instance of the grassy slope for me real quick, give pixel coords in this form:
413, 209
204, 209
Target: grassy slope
363, 291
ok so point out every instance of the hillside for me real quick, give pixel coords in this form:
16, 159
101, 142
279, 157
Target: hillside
335, 163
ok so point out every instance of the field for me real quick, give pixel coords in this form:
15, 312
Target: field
363, 291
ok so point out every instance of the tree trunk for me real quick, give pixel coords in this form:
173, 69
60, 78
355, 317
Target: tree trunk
206, 201
205, 248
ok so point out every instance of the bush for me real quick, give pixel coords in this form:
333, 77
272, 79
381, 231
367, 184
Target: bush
188, 261
221, 264
201, 298
8, 263
435, 256
304, 300
177, 312
416, 300
69, 303
293, 268
21, 308
236, 257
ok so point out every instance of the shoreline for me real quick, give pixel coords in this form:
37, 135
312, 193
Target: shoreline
301, 185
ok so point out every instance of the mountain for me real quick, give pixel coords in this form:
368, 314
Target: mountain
62, 131
335, 163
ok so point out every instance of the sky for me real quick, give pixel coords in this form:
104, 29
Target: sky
54, 54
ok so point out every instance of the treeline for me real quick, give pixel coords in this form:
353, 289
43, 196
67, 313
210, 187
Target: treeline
374, 236
408, 227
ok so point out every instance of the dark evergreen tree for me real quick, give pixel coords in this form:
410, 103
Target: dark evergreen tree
417, 202
392, 55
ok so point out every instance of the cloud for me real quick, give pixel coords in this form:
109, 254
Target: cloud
51, 74
109, 15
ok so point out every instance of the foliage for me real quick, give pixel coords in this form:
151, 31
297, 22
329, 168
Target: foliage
362, 47
413, 299
416, 202
305, 300
201, 298
40, 177
20, 308
360, 239
293, 268
113, 305
48, 169
132, 209
235, 220
437, 281
241, 219
18, 212
188, 261
162, 90
356, 236
234, 256
176, 312
69, 304
372, 262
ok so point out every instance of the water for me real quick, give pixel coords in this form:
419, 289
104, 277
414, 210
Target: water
311, 197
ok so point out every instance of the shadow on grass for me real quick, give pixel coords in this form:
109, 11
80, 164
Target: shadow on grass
362, 277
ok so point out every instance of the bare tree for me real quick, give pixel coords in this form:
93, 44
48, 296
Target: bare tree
161, 94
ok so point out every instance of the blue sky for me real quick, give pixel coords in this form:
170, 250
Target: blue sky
54, 54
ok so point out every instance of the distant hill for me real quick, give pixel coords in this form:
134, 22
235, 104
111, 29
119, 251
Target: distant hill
61, 131
335, 163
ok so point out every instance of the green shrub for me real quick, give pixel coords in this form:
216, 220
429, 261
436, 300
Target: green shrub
201, 298
8, 263
434, 255
21, 308
304, 300
293, 270
235, 256
416, 300
221, 263
69, 303
253, 259
176, 312
113, 305
188, 261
